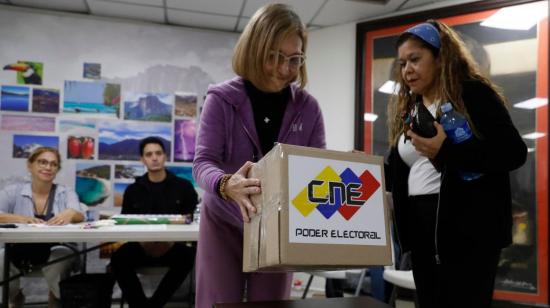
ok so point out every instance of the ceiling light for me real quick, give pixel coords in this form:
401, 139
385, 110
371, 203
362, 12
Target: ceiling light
518, 17
370, 117
530, 150
534, 135
533, 103
389, 87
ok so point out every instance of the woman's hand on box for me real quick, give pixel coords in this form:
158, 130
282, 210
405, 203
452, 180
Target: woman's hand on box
238, 188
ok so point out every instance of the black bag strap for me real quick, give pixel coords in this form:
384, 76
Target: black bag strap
49, 204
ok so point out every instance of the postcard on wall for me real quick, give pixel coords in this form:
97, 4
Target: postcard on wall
14, 98
24, 145
45, 100
184, 139
92, 98
91, 70
93, 184
80, 147
27, 123
119, 189
184, 172
186, 104
71, 125
148, 107
129, 172
28, 72
120, 140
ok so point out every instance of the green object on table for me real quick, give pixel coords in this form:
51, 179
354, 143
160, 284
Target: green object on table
142, 221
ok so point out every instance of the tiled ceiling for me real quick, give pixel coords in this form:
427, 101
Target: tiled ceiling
228, 15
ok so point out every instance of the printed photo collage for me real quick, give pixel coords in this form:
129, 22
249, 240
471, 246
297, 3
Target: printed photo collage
97, 126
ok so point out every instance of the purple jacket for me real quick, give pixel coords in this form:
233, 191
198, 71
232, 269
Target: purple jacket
227, 137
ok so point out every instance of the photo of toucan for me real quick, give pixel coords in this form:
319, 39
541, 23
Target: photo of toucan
28, 71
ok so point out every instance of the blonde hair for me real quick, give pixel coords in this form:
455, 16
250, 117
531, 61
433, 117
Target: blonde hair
265, 32
34, 155
456, 66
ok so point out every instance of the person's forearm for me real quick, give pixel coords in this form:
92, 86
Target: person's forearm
14, 218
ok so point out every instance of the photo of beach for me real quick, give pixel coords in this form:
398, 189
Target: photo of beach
184, 172
92, 98
24, 145
91, 70
184, 140
14, 98
129, 171
77, 126
186, 104
148, 107
120, 140
27, 123
119, 189
93, 185
45, 100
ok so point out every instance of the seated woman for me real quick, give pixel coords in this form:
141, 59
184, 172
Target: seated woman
40, 201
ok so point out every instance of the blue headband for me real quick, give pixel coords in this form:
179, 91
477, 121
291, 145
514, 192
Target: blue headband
427, 32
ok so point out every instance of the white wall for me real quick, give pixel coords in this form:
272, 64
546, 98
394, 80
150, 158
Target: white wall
331, 70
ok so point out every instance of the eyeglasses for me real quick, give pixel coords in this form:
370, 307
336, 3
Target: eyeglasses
294, 61
44, 163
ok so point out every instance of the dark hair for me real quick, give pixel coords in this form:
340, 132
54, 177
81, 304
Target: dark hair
149, 140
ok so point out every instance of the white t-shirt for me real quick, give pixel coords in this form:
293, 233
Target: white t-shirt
423, 178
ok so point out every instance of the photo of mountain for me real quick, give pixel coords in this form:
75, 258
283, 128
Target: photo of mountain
120, 140
148, 107
24, 145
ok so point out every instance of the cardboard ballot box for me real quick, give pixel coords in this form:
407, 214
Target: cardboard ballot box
319, 209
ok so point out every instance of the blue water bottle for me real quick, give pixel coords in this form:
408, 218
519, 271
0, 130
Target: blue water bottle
458, 130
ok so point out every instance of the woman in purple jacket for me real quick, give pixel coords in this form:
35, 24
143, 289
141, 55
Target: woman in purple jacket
241, 120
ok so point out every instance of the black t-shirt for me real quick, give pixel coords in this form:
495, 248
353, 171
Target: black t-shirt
269, 110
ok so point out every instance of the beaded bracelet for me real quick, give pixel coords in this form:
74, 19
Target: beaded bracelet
223, 181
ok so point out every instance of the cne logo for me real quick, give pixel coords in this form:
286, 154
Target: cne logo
331, 192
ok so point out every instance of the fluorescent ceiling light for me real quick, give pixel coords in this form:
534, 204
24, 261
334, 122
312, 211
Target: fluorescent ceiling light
389, 87
530, 150
534, 135
370, 117
518, 17
532, 103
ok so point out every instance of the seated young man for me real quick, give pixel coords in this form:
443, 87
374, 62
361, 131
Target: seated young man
156, 192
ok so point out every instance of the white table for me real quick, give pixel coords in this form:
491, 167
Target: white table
75, 233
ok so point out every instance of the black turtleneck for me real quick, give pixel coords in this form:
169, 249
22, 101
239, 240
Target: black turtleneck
269, 109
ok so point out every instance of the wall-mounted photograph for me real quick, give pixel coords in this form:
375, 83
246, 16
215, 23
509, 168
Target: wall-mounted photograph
118, 193
184, 172
148, 107
186, 104
24, 145
27, 123
45, 100
28, 72
93, 184
91, 71
129, 172
80, 147
92, 98
120, 140
184, 139
14, 98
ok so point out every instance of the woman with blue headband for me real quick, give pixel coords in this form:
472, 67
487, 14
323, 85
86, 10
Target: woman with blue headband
454, 227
